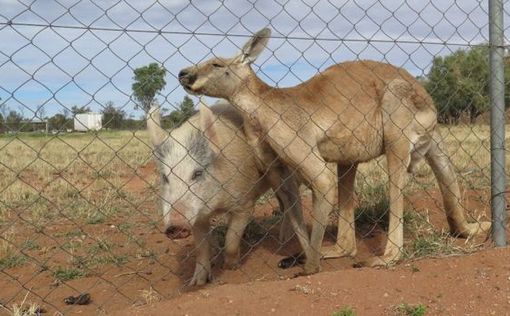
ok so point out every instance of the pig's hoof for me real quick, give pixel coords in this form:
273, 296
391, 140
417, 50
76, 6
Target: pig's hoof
292, 261
199, 281
231, 264
311, 268
200, 277
305, 273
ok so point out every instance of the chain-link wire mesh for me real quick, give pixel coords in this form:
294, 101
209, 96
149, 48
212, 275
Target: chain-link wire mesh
132, 217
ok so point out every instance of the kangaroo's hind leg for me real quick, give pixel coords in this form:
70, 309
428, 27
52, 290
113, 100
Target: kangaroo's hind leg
346, 235
447, 180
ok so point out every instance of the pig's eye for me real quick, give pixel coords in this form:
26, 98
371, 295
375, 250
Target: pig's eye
164, 178
197, 174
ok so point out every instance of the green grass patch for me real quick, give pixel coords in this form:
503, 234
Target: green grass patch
63, 274
101, 246
69, 234
374, 207
423, 239
344, 311
12, 260
30, 244
431, 244
117, 260
125, 227
405, 309
95, 218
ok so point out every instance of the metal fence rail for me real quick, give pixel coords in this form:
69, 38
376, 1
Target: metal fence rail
81, 213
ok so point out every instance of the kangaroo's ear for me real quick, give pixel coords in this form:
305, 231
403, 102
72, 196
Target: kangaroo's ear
157, 134
207, 126
255, 45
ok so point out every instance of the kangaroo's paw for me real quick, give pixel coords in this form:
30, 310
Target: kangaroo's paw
386, 260
472, 229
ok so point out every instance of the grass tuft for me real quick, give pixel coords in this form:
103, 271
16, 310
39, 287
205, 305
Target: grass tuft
25, 308
405, 309
344, 311
150, 296
62, 274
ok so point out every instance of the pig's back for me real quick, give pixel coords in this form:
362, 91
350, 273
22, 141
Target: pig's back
226, 111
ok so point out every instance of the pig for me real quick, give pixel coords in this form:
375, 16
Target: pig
208, 169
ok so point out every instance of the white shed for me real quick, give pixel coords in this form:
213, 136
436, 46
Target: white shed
88, 122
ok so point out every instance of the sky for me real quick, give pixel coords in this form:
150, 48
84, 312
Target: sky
56, 54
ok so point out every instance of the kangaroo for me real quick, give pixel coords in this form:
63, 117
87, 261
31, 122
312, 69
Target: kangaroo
350, 113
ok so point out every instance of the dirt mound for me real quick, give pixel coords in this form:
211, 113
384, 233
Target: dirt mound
477, 284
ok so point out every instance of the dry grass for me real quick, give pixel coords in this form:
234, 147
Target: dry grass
74, 181
81, 180
469, 150
10, 256
150, 296
25, 308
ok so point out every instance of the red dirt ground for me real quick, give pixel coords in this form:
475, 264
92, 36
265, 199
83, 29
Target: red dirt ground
477, 284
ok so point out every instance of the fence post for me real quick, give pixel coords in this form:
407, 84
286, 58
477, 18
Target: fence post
497, 101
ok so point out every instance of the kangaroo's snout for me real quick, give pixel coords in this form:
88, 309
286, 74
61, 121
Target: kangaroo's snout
183, 73
186, 78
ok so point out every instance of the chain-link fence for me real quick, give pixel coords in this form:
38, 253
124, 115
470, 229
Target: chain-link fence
123, 216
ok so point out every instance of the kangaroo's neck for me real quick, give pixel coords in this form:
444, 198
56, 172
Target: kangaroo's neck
253, 94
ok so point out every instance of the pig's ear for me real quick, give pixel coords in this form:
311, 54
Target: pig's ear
207, 125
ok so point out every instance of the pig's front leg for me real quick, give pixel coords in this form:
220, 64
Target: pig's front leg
239, 219
202, 273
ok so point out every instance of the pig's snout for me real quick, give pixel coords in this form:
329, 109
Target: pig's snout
177, 231
176, 223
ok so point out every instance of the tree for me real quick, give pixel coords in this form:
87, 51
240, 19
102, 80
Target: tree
3, 109
58, 122
66, 112
79, 109
175, 118
41, 113
459, 84
187, 108
112, 116
149, 80
13, 121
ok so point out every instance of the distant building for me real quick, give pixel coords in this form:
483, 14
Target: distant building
88, 122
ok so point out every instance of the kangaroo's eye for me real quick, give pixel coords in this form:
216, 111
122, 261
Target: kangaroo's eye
218, 65
197, 174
